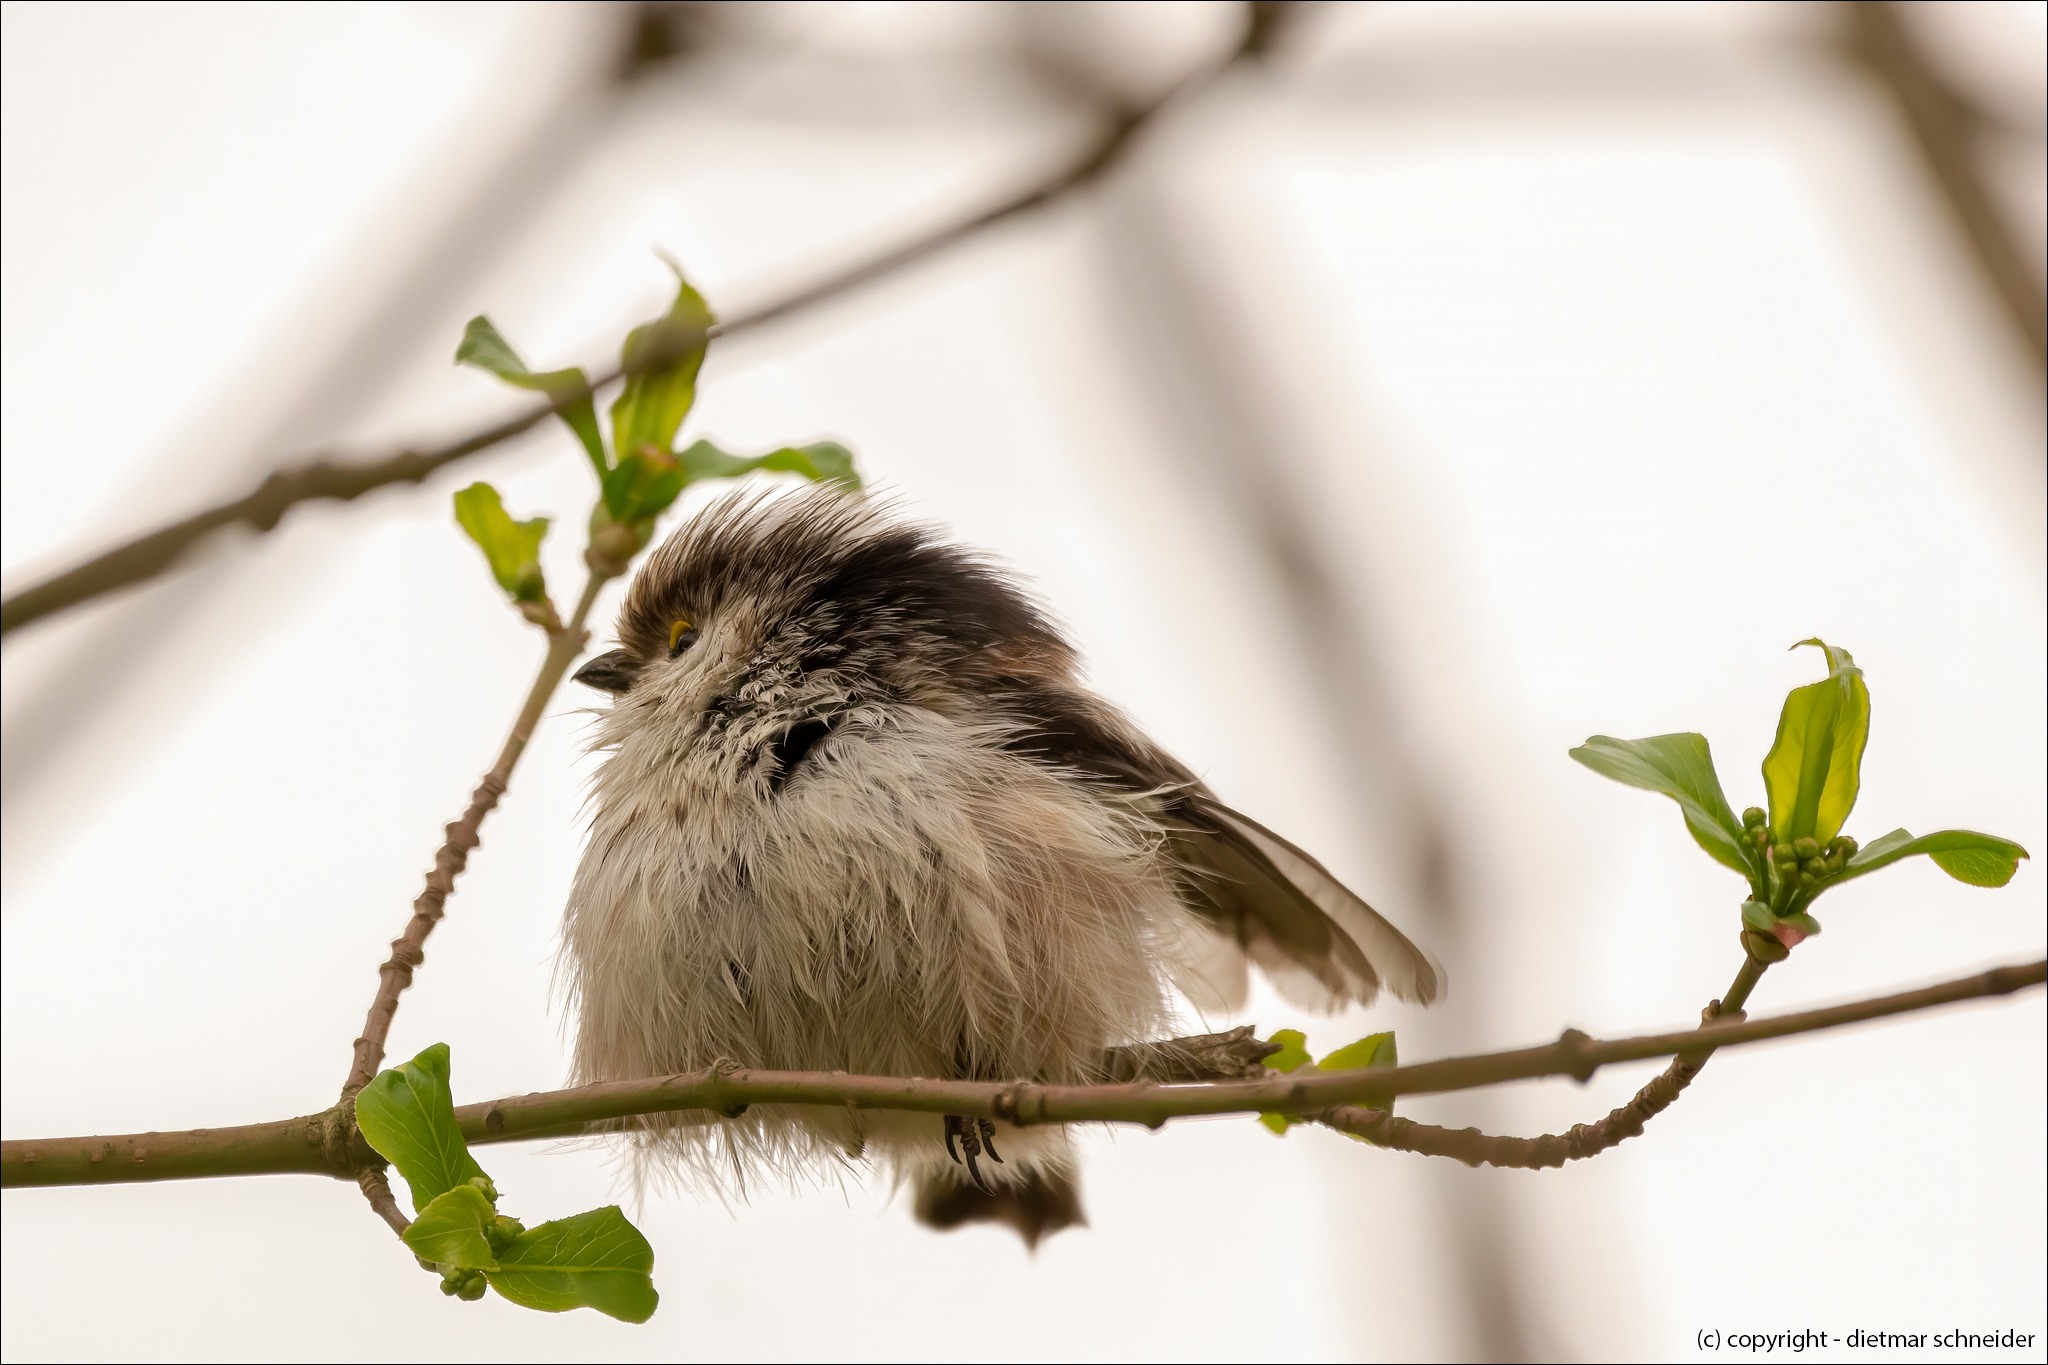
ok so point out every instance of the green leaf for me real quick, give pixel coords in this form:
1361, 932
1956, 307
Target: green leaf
820, 462
1373, 1050
1293, 1053
512, 547
644, 484
408, 1115
1756, 915
1292, 1056
451, 1230
1815, 766
662, 359
1979, 859
569, 390
594, 1260
1681, 767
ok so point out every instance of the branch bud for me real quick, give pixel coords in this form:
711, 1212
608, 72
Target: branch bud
612, 548
467, 1285
1765, 948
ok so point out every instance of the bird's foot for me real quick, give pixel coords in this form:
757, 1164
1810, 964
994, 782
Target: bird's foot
973, 1137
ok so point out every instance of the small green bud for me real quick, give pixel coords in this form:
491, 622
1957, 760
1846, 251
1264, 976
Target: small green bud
501, 1232
1805, 848
467, 1285
1754, 817
1842, 845
611, 549
483, 1185
1814, 867
1765, 948
1782, 853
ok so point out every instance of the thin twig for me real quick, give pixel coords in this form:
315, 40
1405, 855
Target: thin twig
1582, 1140
263, 507
377, 1189
1475, 1148
298, 1144
408, 950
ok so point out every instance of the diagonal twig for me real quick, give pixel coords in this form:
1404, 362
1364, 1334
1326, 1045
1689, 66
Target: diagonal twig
408, 950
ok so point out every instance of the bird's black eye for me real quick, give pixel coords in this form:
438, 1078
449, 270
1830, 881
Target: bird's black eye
681, 635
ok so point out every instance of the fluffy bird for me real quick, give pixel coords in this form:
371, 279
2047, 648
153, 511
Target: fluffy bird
857, 812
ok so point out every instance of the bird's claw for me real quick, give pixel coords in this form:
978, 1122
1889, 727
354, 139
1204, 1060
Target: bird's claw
974, 1136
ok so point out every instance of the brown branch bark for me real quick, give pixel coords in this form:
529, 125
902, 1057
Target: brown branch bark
377, 1189
1475, 1148
261, 509
408, 950
1580, 1141
297, 1144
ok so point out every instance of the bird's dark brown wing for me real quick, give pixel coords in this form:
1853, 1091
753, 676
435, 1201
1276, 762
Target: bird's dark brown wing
1319, 942
1321, 945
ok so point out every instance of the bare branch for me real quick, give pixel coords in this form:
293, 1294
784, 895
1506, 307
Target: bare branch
377, 1189
297, 1145
262, 508
1475, 1148
408, 950
1582, 1140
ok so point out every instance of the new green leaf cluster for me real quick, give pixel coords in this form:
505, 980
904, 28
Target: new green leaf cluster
1793, 851
593, 1260
1375, 1049
642, 473
512, 548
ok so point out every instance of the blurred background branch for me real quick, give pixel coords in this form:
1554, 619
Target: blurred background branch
1947, 129
263, 507
1372, 432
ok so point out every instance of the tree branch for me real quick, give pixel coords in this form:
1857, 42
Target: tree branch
265, 506
1942, 128
300, 1145
408, 950
1474, 1148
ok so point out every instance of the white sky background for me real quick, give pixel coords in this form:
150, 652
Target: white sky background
1605, 351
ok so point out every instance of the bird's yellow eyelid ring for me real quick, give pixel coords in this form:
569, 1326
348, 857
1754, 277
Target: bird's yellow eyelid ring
675, 632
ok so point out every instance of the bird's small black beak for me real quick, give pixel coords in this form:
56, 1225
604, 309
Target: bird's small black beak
612, 671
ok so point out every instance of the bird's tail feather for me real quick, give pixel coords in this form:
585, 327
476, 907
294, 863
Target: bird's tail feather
1037, 1204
